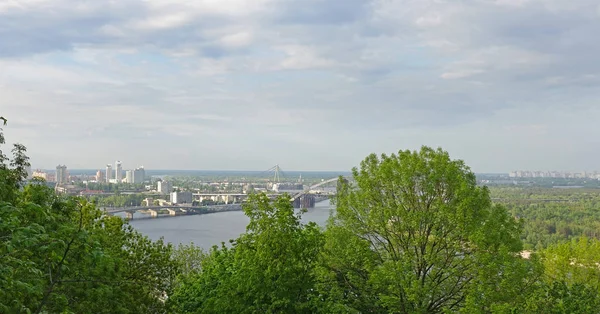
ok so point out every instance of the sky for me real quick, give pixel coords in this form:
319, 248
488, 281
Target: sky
306, 84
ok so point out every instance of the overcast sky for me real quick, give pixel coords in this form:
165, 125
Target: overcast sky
306, 84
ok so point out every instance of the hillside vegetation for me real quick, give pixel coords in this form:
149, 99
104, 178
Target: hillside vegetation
413, 233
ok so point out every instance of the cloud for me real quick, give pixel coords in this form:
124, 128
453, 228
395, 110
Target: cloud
358, 73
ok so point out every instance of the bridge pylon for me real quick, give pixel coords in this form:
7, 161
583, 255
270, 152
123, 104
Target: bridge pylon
277, 173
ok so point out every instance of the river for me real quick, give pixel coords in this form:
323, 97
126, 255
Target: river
211, 229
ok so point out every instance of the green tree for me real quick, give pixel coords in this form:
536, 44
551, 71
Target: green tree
561, 298
573, 262
62, 255
189, 258
266, 270
415, 234
12, 171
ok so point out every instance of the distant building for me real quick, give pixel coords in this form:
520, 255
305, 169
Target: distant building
62, 176
118, 172
181, 197
100, 176
139, 175
68, 189
40, 174
129, 176
287, 187
109, 173
164, 187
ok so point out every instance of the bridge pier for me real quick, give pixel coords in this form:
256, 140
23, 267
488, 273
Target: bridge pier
305, 201
153, 213
129, 215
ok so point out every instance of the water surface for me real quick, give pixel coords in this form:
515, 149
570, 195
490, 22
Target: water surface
211, 229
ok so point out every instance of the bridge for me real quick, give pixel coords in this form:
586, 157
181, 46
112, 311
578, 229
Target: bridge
226, 198
173, 210
305, 199
311, 195
310, 190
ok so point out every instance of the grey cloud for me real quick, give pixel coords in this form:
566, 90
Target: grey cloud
321, 12
290, 71
55, 26
34, 30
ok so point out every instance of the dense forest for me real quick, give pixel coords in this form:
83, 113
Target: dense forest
551, 215
413, 233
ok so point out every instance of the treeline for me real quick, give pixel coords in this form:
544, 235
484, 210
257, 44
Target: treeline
412, 234
551, 216
112, 187
62, 255
120, 200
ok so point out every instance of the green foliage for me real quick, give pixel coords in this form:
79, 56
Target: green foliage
417, 235
189, 258
112, 187
574, 262
266, 270
62, 255
120, 200
414, 234
12, 171
550, 215
559, 297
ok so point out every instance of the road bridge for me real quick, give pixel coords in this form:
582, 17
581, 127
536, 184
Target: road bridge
309, 196
173, 210
232, 202
227, 198
313, 189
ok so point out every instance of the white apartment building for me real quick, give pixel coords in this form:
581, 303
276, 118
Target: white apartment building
129, 176
109, 173
164, 187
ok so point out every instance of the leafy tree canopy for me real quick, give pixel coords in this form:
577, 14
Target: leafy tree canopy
63, 255
266, 270
415, 234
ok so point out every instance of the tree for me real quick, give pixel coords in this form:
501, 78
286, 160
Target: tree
415, 234
2, 157
266, 270
12, 171
559, 297
573, 262
63, 255
189, 258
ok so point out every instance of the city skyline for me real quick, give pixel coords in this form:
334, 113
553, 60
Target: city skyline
316, 85
521, 173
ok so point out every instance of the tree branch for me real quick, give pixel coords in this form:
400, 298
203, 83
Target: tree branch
61, 263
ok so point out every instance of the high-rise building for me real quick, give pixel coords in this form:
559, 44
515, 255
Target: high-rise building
61, 175
100, 176
129, 176
181, 197
109, 173
139, 175
118, 171
165, 187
